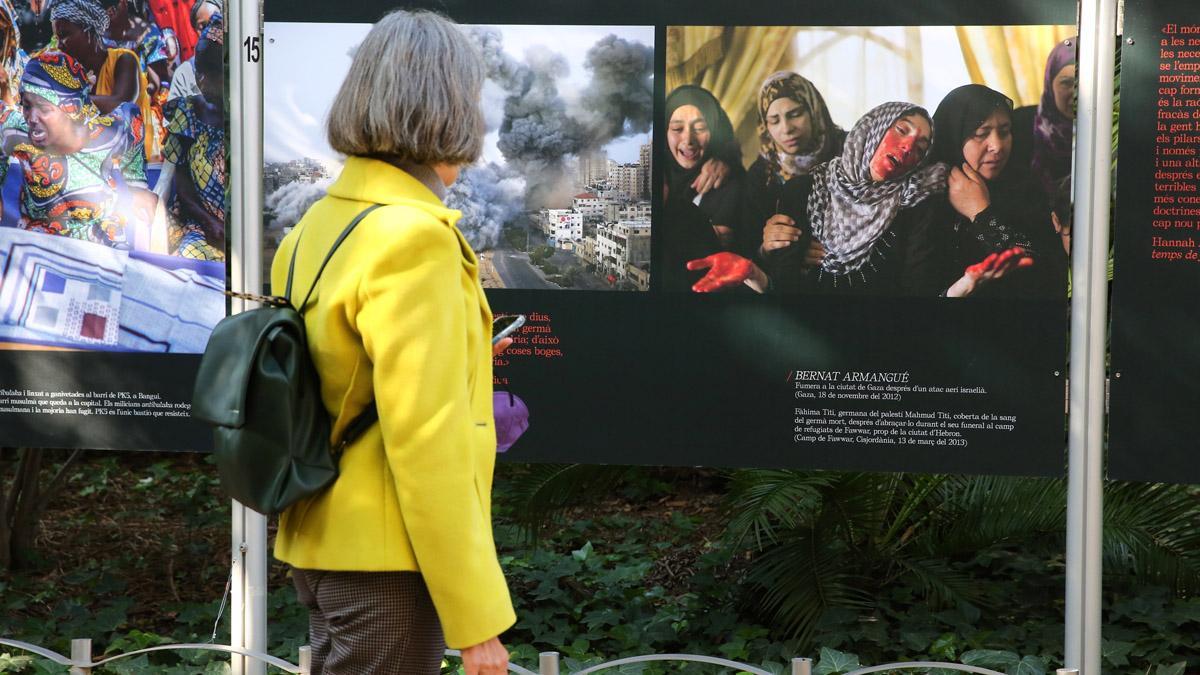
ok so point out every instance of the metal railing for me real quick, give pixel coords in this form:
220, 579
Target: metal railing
80, 661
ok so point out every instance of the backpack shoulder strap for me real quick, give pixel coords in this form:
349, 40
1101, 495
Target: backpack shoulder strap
338, 242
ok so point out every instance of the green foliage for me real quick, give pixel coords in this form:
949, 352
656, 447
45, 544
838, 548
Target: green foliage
607, 562
516, 237
825, 543
833, 662
540, 253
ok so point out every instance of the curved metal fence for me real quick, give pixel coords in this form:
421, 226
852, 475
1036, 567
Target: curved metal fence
80, 661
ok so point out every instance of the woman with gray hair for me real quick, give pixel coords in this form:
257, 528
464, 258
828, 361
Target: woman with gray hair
396, 559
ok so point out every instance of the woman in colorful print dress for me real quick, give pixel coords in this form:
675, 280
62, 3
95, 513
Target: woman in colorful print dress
84, 172
196, 145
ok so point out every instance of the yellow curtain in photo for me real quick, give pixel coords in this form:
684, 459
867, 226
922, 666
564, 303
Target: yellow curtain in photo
730, 62
691, 50
1011, 59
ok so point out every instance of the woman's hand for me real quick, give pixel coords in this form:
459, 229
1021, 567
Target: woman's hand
725, 270
1063, 230
712, 174
779, 232
815, 254
992, 268
486, 658
501, 345
969, 193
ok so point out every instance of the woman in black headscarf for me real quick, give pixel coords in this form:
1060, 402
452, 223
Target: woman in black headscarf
796, 134
991, 207
697, 225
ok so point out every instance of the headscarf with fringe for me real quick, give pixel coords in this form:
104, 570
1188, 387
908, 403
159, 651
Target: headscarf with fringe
848, 211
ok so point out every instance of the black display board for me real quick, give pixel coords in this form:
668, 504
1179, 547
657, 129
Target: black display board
1155, 312
662, 376
104, 308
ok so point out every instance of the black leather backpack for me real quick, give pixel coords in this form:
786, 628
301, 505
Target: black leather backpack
259, 390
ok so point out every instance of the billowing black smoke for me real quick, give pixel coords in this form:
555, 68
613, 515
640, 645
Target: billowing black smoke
539, 133
620, 98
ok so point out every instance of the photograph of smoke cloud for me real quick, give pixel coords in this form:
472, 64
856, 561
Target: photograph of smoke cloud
560, 198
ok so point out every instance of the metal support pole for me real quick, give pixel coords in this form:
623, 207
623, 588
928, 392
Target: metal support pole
248, 608
801, 666
548, 663
1067, 671
81, 652
237, 588
1089, 324
305, 660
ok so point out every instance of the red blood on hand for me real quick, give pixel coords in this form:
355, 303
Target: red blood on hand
997, 265
725, 269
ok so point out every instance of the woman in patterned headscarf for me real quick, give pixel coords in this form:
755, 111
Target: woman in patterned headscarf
12, 57
79, 26
84, 171
196, 146
796, 133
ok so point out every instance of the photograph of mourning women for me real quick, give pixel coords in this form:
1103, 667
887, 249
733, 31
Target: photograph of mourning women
113, 175
887, 161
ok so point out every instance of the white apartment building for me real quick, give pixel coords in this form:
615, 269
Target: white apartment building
563, 224
621, 244
589, 205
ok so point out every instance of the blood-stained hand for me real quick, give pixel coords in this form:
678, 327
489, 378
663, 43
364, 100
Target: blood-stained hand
726, 270
992, 268
712, 175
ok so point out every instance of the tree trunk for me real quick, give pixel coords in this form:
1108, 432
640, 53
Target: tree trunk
21, 507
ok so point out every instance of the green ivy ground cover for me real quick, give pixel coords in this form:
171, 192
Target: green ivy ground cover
136, 555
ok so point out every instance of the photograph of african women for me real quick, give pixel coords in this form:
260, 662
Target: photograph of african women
887, 161
560, 198
113, 179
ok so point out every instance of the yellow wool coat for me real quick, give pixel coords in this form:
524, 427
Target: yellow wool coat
399, 317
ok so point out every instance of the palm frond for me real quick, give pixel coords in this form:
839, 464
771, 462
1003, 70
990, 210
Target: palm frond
544, 492
803, 578
938, 581
1151, 533
984, 511
764, 501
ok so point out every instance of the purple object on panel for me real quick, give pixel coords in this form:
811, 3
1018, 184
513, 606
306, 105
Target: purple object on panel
512, 418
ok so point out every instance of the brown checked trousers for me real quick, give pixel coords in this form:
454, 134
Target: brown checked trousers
370, 623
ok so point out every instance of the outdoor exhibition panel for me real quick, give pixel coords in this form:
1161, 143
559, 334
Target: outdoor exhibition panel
112, 248
1155, 313
620, 361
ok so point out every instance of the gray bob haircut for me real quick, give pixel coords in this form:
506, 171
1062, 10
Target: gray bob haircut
412, 93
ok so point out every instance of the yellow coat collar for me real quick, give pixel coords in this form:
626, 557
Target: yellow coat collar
371, 180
